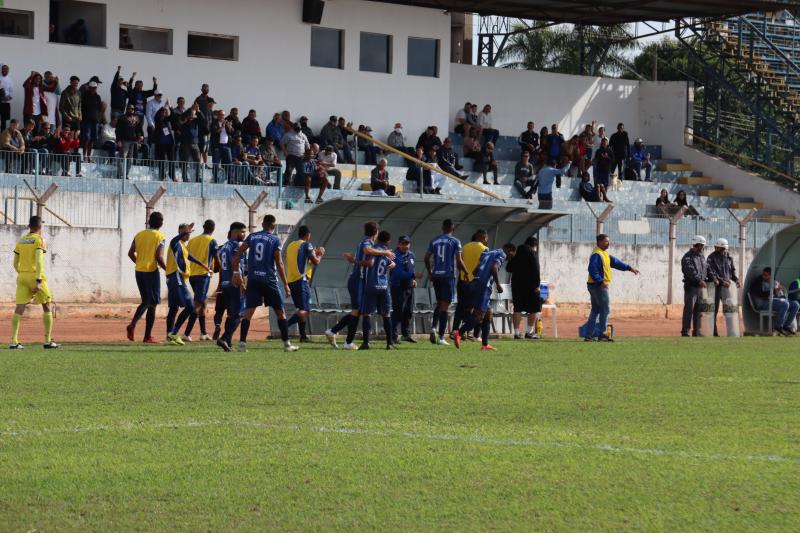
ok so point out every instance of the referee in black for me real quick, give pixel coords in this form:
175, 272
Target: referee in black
525, 280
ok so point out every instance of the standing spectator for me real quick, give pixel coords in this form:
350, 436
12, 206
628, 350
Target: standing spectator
107, 136
546, 177
529, 139
12, 140
138, 97
621, 146
127, 132
332, 135
421, 175
308, 132
403, 282
190, 139
312, 176
205, 120
52, 92
175, 117
6, 95
461, 125
163, 140
429, 139
202, 99
221, 131
601, 134
286, 117
588, 138
600, 265
525, 281
251, 127
35, 100
77, 33
327, 160
640, 159
236, 124
722, 272
524, 177
67, 145
485, 119
271, 159
486, 163
447, 159
150, 113
784, 309
344, 129
379, 179
83, 88
275, 130
554, 141
693, 266
294, 145
90, 118
603, 164
119, 94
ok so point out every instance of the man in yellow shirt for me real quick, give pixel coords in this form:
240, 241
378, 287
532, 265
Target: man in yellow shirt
31, 282
472, 257
147, 253
301, 257
204, 247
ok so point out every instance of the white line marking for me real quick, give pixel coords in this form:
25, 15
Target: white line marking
445, 437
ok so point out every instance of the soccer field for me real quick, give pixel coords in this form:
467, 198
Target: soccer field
643, 434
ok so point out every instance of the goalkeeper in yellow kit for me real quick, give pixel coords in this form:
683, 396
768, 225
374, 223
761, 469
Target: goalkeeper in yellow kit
31, 282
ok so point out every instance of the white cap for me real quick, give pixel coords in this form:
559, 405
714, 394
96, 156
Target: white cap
698, 239
92, 84
721, 243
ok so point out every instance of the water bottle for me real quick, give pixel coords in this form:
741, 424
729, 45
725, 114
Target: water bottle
539, 327
610, 331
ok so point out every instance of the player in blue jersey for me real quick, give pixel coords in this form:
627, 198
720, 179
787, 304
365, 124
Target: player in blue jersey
232, 296
442, 260
264, 267
377, 297
481, 293
361, 260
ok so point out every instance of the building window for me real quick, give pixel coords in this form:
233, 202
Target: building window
74, 22
326, 47
376, 52
213, 46
423, 57
143, 39
15, 23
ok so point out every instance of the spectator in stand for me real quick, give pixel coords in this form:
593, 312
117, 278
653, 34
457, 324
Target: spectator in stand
238, 156
397, 140
485, 120
590, 193
12, 140
107, 137
640, 158
664, 205
52, 92
36, 146
571, 150
524, 176
83, 88
332, 135
163, 140
254, 160
150, 113
429, 139
6, 95
473, 122
294, 145
461, 125
786, 310
308, 132
236, 124
529, 139
447, 160
286, 117
621, 146
589, 140
175, 117
138, 97
472, 146
546, 177
486, 163
77, 33
271, 159
127, 133
344, 129
206, 120
541, 156
251, 127
420, 175
327, 161
379, 179
601, 134
31, 138
370, 150
603, 164
312, 176
90, 118
35, 106
682, 201
69, 105
67, 145
119, 94
190, 139
554, 141
274, 131
221, 131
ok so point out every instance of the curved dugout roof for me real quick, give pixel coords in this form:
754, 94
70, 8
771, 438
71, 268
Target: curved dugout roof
338, 225
782, 253
602, 12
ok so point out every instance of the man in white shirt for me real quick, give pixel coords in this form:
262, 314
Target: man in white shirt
462, 126
294, 144
485, 120
327, 160
151, 109
6, 94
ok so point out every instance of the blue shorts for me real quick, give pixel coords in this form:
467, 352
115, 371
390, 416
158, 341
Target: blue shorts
149, 284
260, 293
301, 294
89, 132
234, 301
444, 288
199, 286
481, 295
355, 286
178, 294
379, 300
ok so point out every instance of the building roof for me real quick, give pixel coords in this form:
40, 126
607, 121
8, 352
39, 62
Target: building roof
603, 12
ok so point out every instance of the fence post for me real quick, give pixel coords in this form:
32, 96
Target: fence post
280, 188
150, 204
601, 218
743, 222
41, 199
36, 169
673, 237
16, 203
252, 208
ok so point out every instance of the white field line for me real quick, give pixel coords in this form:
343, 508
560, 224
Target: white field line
444, 437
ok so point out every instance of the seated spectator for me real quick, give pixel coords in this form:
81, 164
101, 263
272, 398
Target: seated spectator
461, 125
67, 145
308, 132
429, 139
397, 140
555, 140
271, 159
447, 160
529, 139
379, 179
332, 135
590, 193
254, 160
370, 150
640, 158
524, 176
421, 175
473, 121
107, 137
31, 142
485, 119
603, 164
472, 146
681, 201
344, 129
327, 161
664, 205
786, 310
12, 140
312, 176
274, 130
486, 163
571, 150
546, 177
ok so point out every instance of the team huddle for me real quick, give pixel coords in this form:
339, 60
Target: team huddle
252, 273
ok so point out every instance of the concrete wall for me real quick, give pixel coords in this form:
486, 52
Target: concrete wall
663, 114
272, 72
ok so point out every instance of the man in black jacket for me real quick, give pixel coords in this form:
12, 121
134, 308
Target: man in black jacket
621, 147
722, 272
119, 94
693, 266
525, 281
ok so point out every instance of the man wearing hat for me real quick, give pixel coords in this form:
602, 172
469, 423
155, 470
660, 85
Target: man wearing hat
640, 159
91, 112
327, 160
150, 112
403, 282
785, 310
721, 271
308, 132
178, 295
693, 266
94, 79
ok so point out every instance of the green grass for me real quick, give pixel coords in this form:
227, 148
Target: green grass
644, 434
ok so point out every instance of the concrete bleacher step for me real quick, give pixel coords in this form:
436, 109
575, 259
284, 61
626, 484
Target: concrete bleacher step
778, 219
716, 193
695, 180
747, 205
674, 167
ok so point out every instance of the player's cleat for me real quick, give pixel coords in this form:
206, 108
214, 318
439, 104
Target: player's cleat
434, 336
205, 337
331, 336
222, 343
350, 347
289, 347
16, 346
442, 342
488, 348
517, 336
242, 346
588, 339
306, 340
130, 329
364, 346
187, 338
392, 347
175, 339
412, 340
217, 333
533, 336
52, 345
470, 337
150, 340
457, 339
604, 338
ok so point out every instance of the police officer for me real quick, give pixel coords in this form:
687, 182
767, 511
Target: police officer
721, 271
693, 266
403, 281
